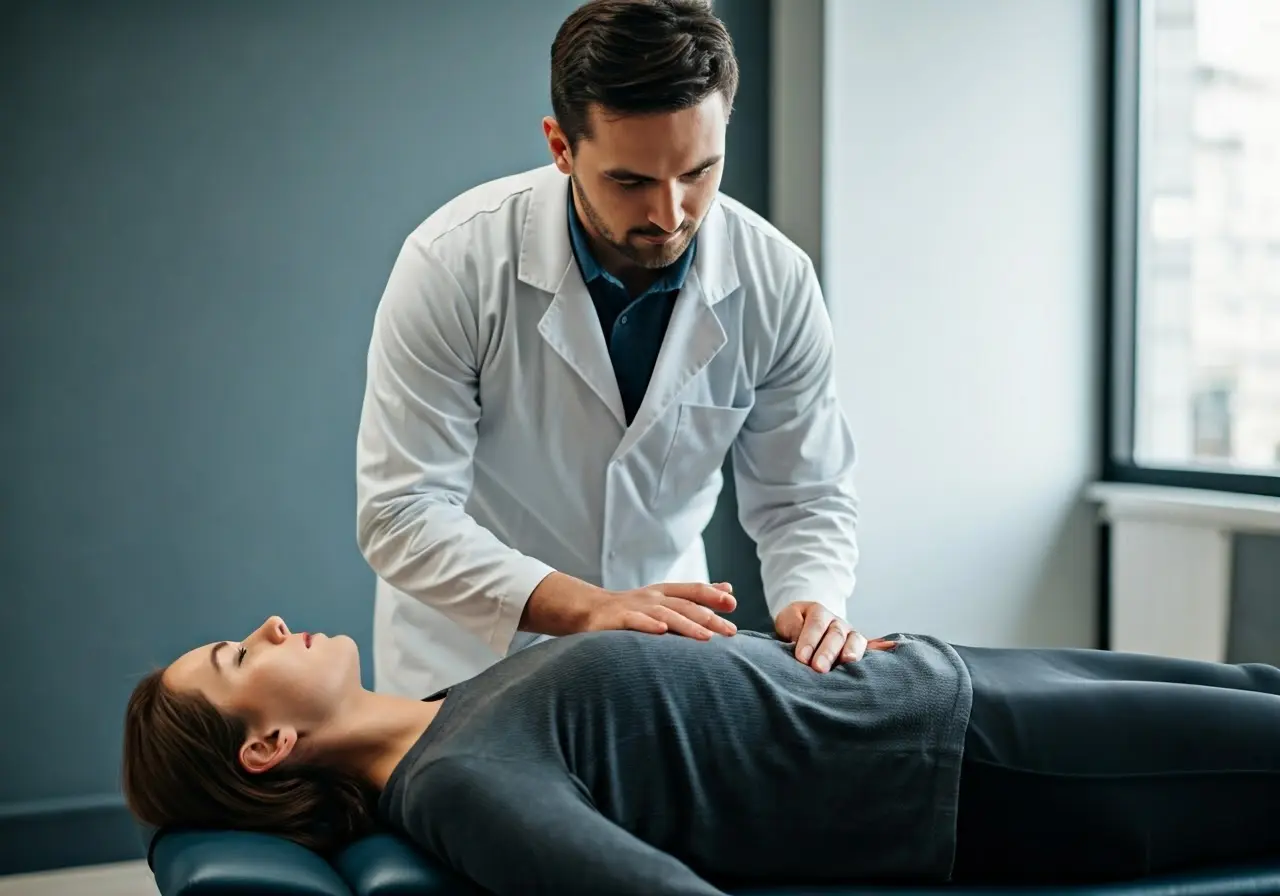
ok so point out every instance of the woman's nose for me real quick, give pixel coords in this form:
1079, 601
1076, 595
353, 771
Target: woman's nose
273, 630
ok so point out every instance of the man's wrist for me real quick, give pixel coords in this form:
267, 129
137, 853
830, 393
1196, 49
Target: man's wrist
837, 607
559, 605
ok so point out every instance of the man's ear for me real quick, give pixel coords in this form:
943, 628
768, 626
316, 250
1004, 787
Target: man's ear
558, 144
263, 752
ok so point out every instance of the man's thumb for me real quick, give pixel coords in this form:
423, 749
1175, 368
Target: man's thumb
790, 622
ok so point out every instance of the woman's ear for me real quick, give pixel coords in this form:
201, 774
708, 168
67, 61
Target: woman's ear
263, 752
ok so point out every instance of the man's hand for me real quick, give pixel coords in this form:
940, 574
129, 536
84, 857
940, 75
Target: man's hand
822, 638
681, 608
563, 605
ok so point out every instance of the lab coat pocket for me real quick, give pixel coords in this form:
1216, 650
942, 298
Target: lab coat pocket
702, 438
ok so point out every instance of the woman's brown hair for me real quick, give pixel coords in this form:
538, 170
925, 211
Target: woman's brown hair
181, 769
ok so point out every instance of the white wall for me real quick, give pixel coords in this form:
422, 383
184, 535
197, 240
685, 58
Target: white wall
961, 244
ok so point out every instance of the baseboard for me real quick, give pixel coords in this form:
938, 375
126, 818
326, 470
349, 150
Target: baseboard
67, 834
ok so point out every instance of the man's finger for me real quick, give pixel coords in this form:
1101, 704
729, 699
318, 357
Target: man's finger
815, 626
643, 622
701, 593
829, 648
855, 646
679, 624
705, 617
790, 622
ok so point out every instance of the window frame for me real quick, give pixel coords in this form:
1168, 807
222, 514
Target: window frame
1124, 189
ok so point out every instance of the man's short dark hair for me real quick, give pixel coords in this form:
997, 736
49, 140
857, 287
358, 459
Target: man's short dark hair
638, 57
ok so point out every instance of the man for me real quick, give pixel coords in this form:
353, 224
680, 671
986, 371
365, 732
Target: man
562, 360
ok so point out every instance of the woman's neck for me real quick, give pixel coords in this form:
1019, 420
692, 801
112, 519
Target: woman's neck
372, 733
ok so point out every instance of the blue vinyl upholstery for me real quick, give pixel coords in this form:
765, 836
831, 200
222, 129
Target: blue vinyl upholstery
235, 863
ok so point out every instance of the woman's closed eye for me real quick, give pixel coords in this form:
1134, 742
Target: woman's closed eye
240, 655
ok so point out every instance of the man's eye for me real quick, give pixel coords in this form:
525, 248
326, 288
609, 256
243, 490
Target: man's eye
240, 654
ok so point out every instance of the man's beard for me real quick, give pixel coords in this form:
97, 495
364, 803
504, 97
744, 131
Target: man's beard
645, 255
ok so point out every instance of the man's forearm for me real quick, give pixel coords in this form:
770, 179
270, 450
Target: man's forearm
808, 553
559, 605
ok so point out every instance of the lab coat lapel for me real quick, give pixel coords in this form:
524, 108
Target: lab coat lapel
694, 334
569, 325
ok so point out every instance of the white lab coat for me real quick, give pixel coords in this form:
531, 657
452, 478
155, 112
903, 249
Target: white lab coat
493, 447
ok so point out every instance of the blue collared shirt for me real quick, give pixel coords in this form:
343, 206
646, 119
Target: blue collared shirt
633, 327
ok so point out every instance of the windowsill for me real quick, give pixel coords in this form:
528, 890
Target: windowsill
1202, 508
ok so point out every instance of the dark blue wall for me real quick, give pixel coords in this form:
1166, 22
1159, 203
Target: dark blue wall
201, 206
1253, 633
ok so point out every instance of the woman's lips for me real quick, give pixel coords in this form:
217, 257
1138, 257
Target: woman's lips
306, 638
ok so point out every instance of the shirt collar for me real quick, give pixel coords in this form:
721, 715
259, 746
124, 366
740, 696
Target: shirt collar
672, 278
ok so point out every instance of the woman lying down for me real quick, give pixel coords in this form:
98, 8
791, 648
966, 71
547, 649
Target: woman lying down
627, 763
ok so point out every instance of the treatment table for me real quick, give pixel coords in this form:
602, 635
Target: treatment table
233, 863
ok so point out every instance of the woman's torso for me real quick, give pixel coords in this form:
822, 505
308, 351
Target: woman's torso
730, 754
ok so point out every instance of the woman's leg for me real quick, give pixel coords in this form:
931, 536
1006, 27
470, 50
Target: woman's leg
1085, 764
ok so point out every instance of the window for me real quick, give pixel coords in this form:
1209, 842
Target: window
1196, 283
1211, 421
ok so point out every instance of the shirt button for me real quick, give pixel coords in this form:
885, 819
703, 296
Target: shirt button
623, 319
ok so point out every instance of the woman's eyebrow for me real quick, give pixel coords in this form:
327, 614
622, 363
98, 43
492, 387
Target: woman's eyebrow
213, 655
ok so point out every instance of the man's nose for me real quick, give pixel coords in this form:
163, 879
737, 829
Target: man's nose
666, 212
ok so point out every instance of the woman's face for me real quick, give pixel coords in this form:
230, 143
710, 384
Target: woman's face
284, 685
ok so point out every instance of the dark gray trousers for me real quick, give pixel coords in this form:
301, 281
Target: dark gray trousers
1086, 764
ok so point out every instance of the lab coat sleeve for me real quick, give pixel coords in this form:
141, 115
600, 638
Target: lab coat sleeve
514, 830
794, 461
414, 456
